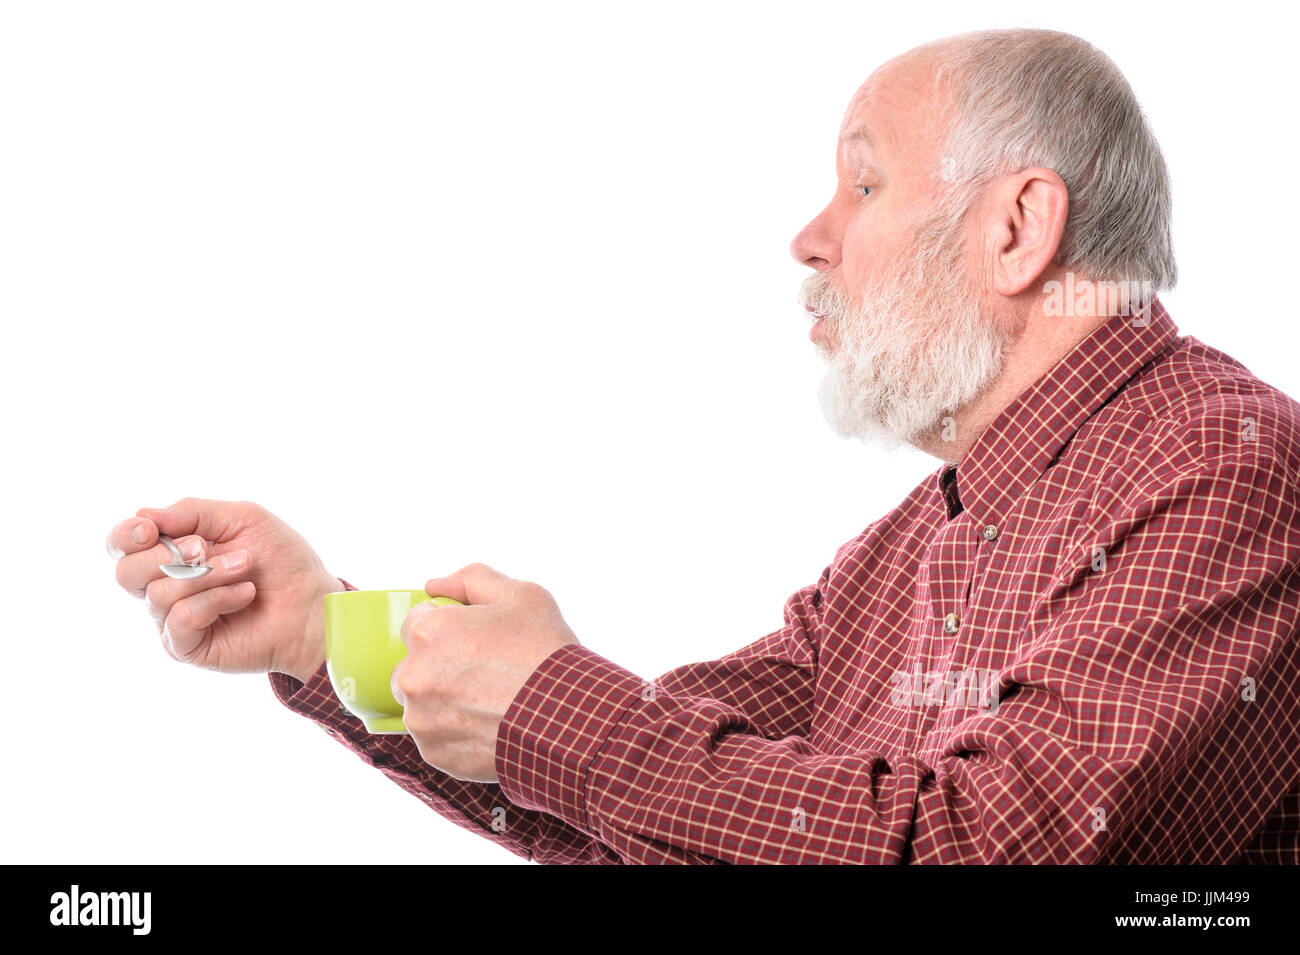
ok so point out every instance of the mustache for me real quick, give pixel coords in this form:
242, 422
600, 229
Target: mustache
818, 293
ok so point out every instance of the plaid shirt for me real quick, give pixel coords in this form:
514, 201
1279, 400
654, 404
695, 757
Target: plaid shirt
1080, 645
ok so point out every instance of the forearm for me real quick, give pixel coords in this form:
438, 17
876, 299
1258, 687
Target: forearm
771, 680
479, 807
681, 779
663, 778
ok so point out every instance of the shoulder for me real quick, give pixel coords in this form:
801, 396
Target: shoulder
1216, 400
1197, 421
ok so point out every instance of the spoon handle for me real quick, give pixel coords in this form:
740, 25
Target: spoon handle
171, 546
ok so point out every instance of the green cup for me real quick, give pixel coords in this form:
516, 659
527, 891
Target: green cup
363, 643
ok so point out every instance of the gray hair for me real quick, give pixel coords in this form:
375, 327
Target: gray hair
1024, 98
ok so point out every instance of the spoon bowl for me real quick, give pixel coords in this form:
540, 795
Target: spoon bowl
178, 569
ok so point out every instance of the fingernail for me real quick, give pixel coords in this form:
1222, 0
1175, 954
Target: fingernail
236, 561
191, 548
139, 534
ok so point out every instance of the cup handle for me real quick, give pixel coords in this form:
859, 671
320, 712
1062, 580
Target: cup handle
444, 601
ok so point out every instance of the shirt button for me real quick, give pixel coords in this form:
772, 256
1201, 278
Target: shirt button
990, 532
951, 623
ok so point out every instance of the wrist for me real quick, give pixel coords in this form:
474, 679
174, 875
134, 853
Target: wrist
312, 653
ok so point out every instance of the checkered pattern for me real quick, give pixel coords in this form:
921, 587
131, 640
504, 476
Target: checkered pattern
1080, 645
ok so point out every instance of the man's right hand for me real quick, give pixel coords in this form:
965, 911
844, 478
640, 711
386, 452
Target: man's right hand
259, 609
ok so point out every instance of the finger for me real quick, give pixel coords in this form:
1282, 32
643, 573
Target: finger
186, 627
474, 584
192, 515
398, 695
136, 571
129, 536
413, 616
162, 593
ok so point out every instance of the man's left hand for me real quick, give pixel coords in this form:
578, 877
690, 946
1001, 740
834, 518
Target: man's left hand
465, 665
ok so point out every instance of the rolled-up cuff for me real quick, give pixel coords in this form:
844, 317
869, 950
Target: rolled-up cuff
555, 728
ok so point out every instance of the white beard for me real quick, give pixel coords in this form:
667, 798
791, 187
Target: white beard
912, 348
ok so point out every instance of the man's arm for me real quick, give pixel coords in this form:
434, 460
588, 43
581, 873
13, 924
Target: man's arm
479, 807
772, 679
1124, 729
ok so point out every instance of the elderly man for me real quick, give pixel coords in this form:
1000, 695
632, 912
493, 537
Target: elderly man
1075, 641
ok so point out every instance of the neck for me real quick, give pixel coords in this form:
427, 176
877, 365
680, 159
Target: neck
1041, 344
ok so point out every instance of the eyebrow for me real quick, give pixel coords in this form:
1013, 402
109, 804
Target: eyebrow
862, 134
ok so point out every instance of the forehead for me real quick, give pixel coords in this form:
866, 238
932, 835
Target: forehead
892, 116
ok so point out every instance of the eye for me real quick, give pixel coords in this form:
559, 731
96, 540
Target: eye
866, 190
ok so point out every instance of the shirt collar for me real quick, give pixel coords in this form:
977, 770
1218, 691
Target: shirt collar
1023, 441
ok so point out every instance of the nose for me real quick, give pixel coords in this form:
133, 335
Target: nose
816, 245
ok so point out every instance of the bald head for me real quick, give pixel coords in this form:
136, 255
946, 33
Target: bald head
899, 110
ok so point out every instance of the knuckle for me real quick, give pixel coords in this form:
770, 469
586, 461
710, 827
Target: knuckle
194, 656
169, 643
182, 615
405, 684
156, 594
534, 593
422, 627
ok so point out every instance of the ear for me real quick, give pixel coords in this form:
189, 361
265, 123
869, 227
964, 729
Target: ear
1026, 221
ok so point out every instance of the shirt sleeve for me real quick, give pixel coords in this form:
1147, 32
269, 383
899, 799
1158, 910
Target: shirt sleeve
772, 678
1150, 713
479, 807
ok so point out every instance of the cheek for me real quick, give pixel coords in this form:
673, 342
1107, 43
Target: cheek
858, 250
867, 252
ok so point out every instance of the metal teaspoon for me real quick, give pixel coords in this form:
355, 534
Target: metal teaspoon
178, 568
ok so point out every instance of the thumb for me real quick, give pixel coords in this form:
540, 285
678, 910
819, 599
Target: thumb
474, 584
191, 515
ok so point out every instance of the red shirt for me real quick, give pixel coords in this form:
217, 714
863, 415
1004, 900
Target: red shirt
1080, 645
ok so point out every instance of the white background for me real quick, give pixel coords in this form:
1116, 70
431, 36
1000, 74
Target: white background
439, 283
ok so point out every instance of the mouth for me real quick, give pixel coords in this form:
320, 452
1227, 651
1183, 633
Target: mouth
819, 322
